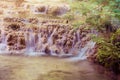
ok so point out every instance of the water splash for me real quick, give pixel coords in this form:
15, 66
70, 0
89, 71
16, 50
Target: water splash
84, 52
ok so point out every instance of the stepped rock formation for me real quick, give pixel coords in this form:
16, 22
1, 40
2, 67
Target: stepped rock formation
48, 8
52, 9
22, 33
45, 37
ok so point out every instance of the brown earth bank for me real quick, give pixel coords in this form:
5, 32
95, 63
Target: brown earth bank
49, 68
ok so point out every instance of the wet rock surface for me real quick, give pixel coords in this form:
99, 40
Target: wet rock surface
51, 36
22, 31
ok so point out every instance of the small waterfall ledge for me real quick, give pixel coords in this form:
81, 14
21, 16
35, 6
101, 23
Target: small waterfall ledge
36, 37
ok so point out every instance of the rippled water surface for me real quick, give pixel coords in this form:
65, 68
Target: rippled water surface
46, 68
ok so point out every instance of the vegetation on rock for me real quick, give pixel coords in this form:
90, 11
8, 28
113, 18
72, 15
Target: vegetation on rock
104, 17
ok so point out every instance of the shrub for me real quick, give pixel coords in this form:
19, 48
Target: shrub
108, 53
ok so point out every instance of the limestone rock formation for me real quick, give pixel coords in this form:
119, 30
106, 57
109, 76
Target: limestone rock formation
54, 10
23, 32
50, 36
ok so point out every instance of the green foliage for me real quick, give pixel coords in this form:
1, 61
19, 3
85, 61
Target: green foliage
95, 13
113, 4
102, 15
77, 24
109, 51
69, 16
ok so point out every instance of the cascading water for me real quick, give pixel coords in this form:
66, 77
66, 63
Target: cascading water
3, 44
51, 39
3, 39
50, 42
84, 52
39, 47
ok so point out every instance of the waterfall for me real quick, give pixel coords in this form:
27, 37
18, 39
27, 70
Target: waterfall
30, 42
50, 42
45, 39
84, 52
3, 39
40, 48
3, 44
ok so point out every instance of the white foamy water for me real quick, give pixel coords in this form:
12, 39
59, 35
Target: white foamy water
84, 52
